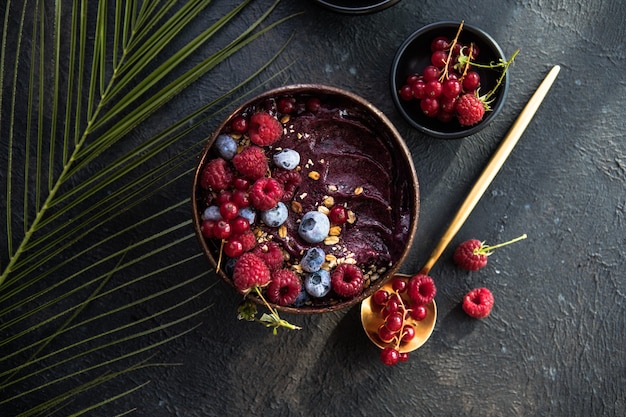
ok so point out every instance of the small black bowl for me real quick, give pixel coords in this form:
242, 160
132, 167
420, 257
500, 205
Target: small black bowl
356, 6
414, 55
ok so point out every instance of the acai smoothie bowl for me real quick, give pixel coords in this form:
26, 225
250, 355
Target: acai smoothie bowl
306, 197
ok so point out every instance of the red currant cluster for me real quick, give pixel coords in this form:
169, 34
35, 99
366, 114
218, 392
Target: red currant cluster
401, 311
448, 88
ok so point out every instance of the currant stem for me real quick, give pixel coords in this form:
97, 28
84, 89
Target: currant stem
444, 75
488, 250
506, 67
276, 321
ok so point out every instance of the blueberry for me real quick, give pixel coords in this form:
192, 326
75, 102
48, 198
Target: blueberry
287, 159
302, 298
249, 213
226, 146
276, 216
212, 213
317, 284
314, 227
312, 260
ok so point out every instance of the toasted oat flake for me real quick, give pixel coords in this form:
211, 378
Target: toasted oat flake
335, 231
358, 190
351, 217
332, 188
282, 231
328, 201
285, 119
330, 257
314, 175
323, 209
331, 240
303, 195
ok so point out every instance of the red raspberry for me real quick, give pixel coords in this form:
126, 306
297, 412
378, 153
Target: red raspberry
265, 193
421, 289
284, 287
271, 254
250, 271
290, 179
264, 129
251, 162
217, 175
466, 255
347, 280
469, 109
247, 239
478, 303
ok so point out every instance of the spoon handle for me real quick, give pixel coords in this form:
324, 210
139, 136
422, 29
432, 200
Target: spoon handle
492, 168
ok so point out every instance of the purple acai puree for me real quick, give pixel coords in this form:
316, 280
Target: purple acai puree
355, 168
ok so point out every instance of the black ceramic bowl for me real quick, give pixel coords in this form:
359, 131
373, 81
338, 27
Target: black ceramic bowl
356, 6
415, 54
350, 154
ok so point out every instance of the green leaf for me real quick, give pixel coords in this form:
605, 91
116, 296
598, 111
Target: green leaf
98, 269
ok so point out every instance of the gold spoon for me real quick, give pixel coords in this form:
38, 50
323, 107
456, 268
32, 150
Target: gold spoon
370, 313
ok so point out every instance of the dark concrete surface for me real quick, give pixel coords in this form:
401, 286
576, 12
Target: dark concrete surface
555, 343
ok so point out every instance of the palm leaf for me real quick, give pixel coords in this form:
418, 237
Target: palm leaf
91, 245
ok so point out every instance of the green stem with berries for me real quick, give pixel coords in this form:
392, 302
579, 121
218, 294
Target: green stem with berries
248, 311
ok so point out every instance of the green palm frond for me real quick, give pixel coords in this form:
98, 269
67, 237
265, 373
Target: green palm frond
96, 235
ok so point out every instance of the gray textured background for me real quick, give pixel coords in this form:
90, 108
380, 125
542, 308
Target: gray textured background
555, 343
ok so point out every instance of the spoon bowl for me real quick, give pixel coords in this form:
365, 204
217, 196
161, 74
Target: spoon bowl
372, 320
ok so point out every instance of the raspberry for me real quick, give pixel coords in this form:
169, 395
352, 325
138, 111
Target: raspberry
478, 303
347, 280
271, 254
217, 175
466, 255
251, 162
265, 193
284, 287
290, 179
247, 239
469, 109
421, 289
250, 271
264, 129
472, 254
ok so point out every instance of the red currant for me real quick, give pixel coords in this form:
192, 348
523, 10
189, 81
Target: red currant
418, 313
389, 356
241, 183
419, 89
403, 356
412, 79
239, 225
430, 106
241, 198
286, 105
406, 92
394, 321
229, 210
399, 284
385, 334
439, 58
471, 81
313, 104
431, 72
239, 124
380, 297
206, 228
233, 248
223, 197
451, 88
440, 43
445, 116
433, 89
338, 214
447, 105
221, 229
408, 333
